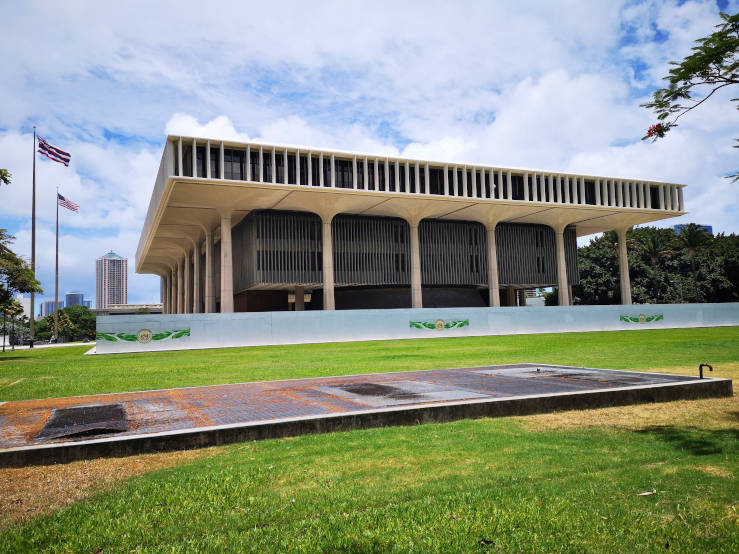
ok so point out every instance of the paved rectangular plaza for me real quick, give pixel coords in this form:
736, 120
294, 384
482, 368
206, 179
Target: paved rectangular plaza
277, 408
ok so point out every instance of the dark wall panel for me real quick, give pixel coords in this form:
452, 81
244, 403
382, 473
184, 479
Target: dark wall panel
452, 253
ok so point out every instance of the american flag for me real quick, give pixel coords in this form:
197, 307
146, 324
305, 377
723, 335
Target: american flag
53, 153
63, 202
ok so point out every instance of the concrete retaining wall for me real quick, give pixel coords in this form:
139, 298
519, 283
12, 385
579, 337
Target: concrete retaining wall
141, 333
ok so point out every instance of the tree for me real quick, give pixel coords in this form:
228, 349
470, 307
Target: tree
83, 320
11, 309
5, 177
691, 238
15, 273
67, 329
713, 65
654, 247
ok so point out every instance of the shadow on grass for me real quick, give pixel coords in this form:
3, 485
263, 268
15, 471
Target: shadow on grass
697, 441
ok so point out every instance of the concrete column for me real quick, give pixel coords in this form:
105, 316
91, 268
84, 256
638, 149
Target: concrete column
627, 194
207, 159
222, 164
680, 205
248, 163
499, 196
397, 176
387, 174
526, 186
179, 158
320, 169
172, 304
550, 187
297, 166
661, 195
227, 281
455, 181
261, 164
417, 177
562, 288
510, 296
619, 193
210, 286
274, 174
597, 192
329, 302
464, 181
566, 185
521, 297
416, 291
187, 286
196, 297
426, 180
446, 180
333, 171
407, 176
285, 172
377, 174
534, 188
623, 266
180, 293
581, 188
641, 194
163, 295
299, 299
493, 285
310, 168
354, 172
365, 175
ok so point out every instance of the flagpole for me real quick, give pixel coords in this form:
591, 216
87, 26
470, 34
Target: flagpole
33, 241
56, 278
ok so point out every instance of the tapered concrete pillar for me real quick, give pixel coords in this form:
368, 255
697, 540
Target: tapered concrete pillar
493, 287
510, 296
416, 290
188, 285
196, 286
227, 278
623, 266
210, 286
329, 302
172, 287
563, 291
180, 295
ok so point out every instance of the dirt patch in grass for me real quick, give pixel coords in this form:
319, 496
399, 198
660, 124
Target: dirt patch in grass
712, 413
713, 470
37, 490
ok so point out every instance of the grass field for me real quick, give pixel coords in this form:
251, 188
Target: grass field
55, 372
641, 478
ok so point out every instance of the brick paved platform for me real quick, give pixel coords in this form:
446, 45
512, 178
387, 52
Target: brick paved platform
63, 429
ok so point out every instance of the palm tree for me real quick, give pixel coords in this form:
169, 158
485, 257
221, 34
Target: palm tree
692, 237
654, 248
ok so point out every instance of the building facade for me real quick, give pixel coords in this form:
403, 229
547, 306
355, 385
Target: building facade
47, 307
111, 280
258, 227
74, 299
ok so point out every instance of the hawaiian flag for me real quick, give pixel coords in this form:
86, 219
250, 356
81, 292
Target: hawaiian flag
63, 202
53, 153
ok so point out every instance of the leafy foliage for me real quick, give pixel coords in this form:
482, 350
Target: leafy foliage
15, 273
75, 323
5, 177
714, 63
664, 267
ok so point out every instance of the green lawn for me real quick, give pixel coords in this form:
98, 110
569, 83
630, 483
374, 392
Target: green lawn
55, 372
470, 486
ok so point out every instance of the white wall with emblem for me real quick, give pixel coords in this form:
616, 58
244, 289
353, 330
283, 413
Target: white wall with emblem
130, 333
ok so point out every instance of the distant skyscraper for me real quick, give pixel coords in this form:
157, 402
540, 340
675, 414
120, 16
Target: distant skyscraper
25, 302
88, 303
47, 307
111, 280
74, 299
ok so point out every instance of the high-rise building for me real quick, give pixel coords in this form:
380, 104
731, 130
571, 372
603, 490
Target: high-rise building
47, 307
87, 303
74, 299
25, 303
111, 280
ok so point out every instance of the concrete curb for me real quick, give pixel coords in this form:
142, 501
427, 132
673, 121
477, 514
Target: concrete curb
438, 412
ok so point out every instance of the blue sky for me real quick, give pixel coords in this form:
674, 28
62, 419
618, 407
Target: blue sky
553, 85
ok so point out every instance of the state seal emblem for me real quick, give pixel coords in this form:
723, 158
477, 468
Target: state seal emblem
144, 336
